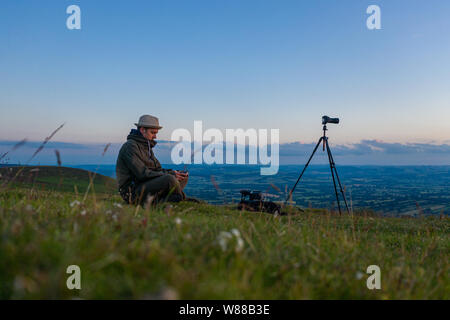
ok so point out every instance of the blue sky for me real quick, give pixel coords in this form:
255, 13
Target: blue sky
232, 64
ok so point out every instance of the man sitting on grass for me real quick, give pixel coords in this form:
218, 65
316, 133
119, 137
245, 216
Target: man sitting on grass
139, 174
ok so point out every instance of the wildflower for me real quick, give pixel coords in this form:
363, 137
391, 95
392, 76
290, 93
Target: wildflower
239, 241
178, 221
239, 244
225, 237
236, 232
83, 212
75, 203
117, 205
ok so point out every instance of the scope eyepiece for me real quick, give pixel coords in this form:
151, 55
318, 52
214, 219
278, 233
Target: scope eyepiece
326, 119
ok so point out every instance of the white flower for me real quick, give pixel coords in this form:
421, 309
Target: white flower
75, 203
236, 232
118, 205
239, 245
83, 212
225, 237
178, 221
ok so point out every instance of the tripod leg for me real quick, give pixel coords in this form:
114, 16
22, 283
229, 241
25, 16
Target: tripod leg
330, 160
339, 181
301, 174
342, 190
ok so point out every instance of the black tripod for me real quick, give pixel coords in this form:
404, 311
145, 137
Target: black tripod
334, 173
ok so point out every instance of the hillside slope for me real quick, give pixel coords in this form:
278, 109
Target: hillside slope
55, 178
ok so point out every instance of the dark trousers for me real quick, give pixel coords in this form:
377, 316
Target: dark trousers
159, 187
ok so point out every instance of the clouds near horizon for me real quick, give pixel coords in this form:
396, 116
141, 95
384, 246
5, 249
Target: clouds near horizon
366, 152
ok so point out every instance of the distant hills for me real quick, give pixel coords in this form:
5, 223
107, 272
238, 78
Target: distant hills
389, 190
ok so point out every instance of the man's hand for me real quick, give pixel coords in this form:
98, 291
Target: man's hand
181, 176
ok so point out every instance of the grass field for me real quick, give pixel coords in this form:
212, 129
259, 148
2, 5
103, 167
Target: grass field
200, 251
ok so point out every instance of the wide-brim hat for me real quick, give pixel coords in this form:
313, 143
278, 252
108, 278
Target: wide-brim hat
147, 121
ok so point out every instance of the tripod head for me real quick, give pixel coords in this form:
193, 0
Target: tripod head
325, 120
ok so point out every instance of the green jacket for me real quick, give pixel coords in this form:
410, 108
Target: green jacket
136, 161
